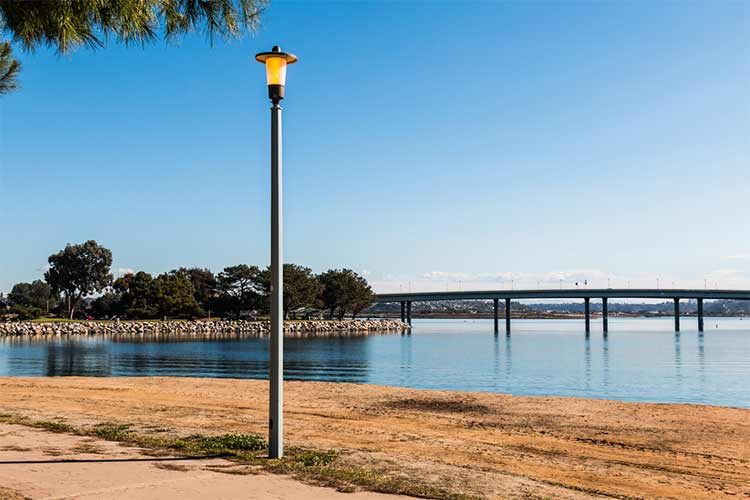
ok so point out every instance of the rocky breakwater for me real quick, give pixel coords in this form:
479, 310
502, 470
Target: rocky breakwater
291, 328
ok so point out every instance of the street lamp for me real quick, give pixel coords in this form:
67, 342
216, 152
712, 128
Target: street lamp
276, 62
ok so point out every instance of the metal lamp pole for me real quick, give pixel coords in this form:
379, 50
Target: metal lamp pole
276, 63
276, 349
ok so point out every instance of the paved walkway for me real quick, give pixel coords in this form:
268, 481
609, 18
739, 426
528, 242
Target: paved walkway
39, 464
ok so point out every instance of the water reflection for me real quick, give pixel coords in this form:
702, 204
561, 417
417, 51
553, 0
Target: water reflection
406, 359
677, 359
587, 358
69, 357
508, 357
701, 358
605, 362
643, 359
496, 359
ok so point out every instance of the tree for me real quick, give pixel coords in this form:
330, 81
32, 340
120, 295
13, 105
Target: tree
344, 290
137, 295
241, 288
107, 305
301, 288
78, 271
360, 295
332, 282
9, 68
25, 312
205, 285
69, 24
175, 296
37, 295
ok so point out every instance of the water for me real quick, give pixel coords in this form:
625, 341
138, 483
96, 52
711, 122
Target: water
640, 359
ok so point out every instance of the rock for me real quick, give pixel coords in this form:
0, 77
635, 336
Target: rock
184, 327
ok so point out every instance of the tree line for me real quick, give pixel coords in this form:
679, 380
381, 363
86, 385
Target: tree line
79, 284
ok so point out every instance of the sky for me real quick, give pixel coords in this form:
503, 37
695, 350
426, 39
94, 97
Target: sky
427, 145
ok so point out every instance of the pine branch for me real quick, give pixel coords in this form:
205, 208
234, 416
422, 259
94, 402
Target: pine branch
9, 68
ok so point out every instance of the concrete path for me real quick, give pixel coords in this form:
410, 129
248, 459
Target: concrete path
39, 464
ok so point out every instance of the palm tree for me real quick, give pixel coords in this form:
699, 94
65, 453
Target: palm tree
69, 24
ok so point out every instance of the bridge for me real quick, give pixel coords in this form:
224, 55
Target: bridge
586, 294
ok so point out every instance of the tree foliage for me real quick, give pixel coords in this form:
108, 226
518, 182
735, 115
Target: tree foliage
175, 296
106, 306
78, 271
301, 288
9, 68
242, 289
344, 291
31, 300
135, 296
205, 284
68, 24
140, 296
37, 294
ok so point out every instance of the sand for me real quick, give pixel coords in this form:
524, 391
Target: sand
40, 464
488, 445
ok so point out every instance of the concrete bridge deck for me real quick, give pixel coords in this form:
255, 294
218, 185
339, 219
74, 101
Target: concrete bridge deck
675, 294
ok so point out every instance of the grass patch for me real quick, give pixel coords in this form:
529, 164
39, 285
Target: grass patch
52, 426
52, 320
315, 459
111, 432
242, 446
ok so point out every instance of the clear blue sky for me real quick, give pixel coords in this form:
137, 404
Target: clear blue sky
424, 142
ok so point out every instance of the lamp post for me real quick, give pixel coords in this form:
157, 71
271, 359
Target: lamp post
276, 62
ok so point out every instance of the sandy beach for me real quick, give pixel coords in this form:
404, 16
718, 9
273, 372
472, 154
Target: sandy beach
39, 464
480, 444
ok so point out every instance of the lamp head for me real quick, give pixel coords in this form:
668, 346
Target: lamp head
276, 62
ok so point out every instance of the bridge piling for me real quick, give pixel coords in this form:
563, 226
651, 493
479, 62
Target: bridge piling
701, 295
495, 304
587, 301
507, 316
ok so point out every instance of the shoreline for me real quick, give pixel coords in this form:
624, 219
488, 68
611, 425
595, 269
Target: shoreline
367, 385
386, 387
468, 443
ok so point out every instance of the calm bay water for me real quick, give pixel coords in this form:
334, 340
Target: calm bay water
639, 360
